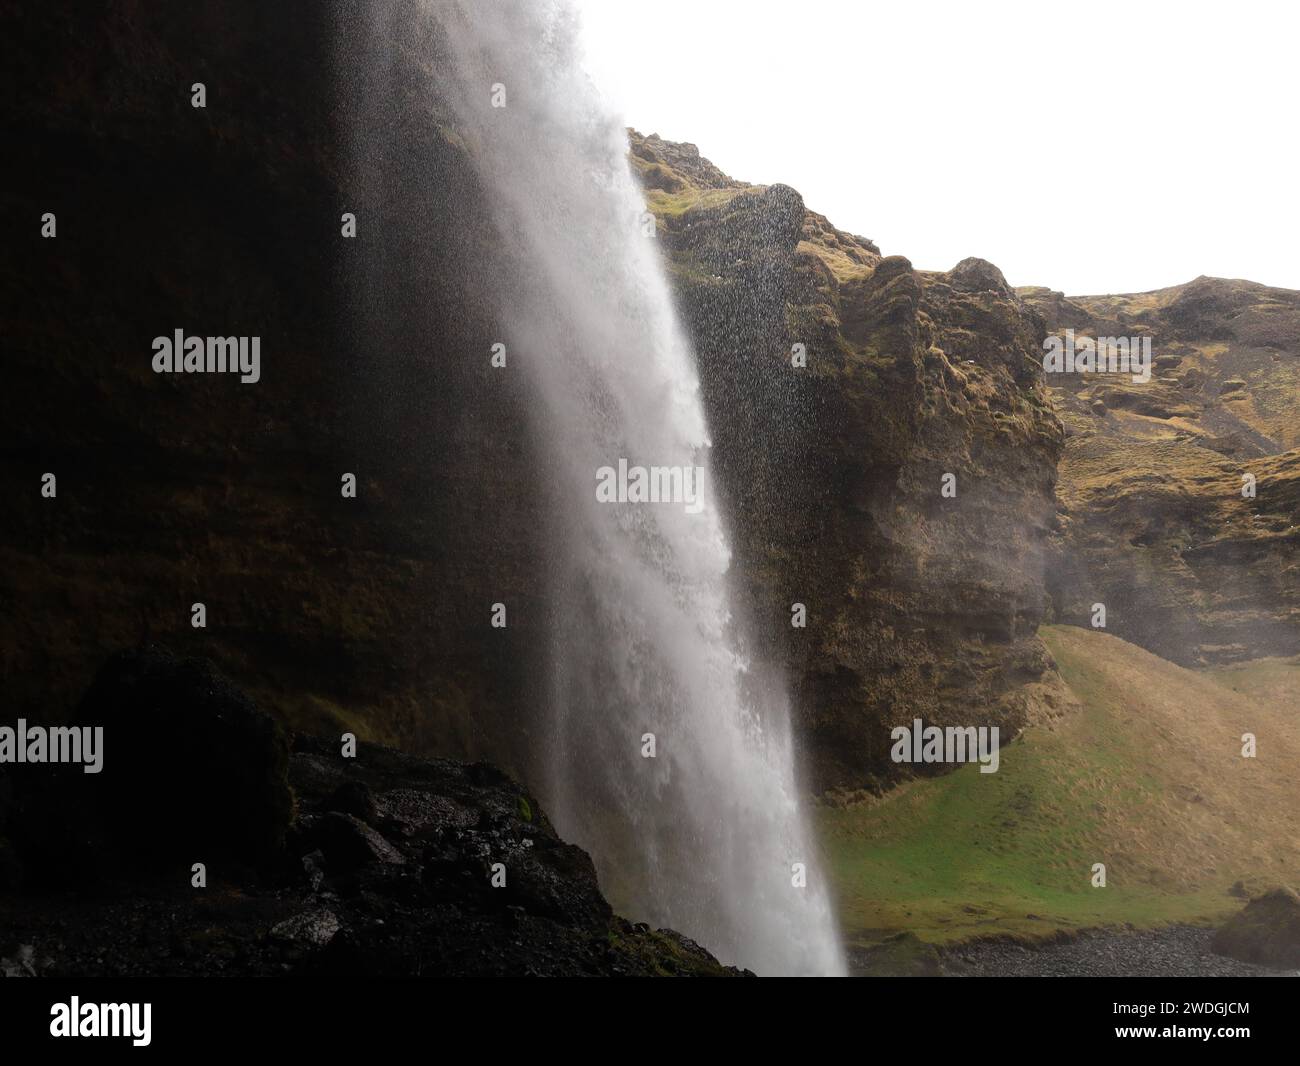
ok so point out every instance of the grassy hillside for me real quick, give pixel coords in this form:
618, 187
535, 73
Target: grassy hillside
1146, 776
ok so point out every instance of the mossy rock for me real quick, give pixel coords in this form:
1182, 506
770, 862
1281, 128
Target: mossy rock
901, 955
1266, 931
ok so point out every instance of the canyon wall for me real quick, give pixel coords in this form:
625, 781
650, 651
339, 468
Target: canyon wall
372, 614
1154, 522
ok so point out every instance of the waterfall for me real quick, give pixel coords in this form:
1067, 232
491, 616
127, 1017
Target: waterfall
706, 835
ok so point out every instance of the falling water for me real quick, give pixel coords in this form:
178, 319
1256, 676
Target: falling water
704, 836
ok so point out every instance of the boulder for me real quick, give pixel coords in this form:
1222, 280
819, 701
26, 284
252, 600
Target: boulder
310, 929
979, 275
390, 866
1265, 931
354, 798
901, 955
349, 844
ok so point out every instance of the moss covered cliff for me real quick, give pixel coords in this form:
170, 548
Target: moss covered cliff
1154, 520
919, 604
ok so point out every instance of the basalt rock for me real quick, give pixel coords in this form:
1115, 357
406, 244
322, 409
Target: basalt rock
460, 873
1265, 931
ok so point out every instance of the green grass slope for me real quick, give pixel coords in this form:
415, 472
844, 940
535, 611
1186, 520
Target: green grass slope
1146, 776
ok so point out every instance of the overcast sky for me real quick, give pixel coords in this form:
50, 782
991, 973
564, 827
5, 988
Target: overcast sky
1093, 147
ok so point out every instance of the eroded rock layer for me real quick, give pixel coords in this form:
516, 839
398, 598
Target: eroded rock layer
1154, 521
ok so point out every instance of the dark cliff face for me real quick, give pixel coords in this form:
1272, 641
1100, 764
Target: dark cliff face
918, 605
1154, 523
370, 613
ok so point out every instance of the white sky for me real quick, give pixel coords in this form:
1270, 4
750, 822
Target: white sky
1095, 147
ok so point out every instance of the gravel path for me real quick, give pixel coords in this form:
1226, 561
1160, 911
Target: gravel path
1176, 951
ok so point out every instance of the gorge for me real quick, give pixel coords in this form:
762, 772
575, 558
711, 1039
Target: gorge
658, 314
